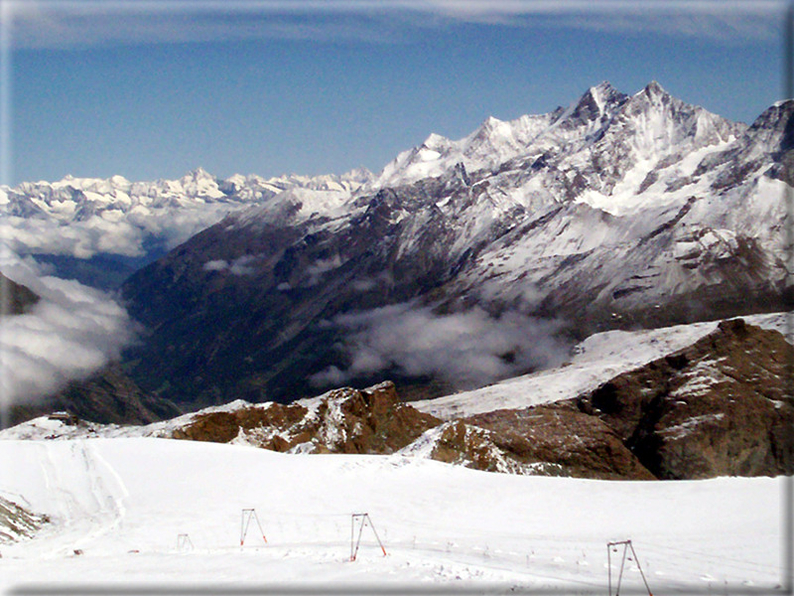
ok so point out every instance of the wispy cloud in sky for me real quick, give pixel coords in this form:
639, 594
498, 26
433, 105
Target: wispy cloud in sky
332, 85
56, 23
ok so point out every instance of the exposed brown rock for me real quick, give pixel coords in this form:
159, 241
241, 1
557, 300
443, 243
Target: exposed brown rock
715, 408
467, 445
222, 427
344, 421
558, 439
17, 523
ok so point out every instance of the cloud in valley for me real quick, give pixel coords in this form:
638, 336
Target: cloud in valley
467, 349
239, 266
72, 331
124, 235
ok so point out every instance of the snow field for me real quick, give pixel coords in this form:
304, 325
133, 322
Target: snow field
124, 502
596, 360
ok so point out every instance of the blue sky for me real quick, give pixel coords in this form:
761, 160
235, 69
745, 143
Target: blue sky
154, 89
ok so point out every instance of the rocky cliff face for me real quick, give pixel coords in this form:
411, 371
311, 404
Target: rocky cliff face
716, 408
719, 407
342, 421
558, 439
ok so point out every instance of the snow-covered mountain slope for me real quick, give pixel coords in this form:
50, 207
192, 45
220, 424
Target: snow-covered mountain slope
596, 360
645, 193
83, 218
157, 514
617, 212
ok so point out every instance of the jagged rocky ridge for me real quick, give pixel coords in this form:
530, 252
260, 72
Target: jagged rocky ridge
618, 211
343, 421
717, 407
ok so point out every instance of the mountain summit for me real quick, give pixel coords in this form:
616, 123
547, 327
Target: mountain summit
461, 262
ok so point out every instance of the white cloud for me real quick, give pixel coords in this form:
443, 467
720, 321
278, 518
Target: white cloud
72, 331
466, 349
240, 266
81, 239
718, 20
124, 235
59, 23
56, 23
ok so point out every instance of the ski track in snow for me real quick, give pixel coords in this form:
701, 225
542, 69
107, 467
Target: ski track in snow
125, 501
86, 492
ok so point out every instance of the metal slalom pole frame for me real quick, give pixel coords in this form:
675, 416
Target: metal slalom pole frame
626, 544
362, 519
245, 522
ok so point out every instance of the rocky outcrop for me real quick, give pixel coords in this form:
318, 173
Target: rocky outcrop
17, 523
341, 421
718, 407
463, 444
559, 440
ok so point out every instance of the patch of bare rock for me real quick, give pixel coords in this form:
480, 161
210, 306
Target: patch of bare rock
718, 407
344, 420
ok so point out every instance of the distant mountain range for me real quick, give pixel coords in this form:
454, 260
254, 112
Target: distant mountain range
100, 231
462, 262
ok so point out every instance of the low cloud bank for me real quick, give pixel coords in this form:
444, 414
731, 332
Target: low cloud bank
121, 234
72, 331
467, 349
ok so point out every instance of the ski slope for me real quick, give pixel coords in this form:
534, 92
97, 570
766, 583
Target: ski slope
123, 503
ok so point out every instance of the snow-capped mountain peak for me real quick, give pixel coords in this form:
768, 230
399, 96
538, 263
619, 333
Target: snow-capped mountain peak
653, 89
120, 217
602, 119
595, 104
603, 94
